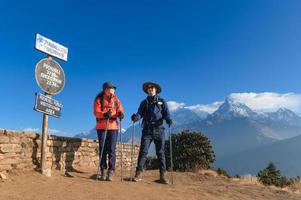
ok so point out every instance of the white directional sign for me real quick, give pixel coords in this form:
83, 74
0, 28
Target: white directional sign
50, 47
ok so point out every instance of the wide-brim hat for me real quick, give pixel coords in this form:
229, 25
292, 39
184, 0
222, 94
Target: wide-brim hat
108, 85
151, 84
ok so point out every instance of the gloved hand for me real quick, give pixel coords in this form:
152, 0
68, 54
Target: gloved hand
135, 117
169, 122
120, 115
108, 114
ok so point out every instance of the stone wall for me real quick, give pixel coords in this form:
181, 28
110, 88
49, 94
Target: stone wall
21, 150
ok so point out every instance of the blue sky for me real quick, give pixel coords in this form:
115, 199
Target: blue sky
199, 51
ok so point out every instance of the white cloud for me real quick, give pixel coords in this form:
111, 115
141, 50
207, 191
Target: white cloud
172, 105
36, 130
209, 108
55, 131
269, 101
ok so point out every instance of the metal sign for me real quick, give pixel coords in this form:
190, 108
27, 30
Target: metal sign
47, 105
50, 76
50, 47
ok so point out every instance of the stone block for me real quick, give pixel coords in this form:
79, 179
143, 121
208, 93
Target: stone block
2, 156
49, 143
5, 167
10, 155
14, 139
10, 148
12, 133
30, 135
3, 176
10, 161
4, 139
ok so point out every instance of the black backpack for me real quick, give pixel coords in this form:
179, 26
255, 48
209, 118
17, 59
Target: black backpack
102, 101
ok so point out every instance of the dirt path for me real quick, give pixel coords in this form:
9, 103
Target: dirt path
189, 186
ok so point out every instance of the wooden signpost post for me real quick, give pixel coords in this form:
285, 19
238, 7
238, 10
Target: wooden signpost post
50, 78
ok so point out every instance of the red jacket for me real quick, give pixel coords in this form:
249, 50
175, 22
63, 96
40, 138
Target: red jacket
103, 104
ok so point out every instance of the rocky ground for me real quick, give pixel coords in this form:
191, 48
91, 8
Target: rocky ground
32, 185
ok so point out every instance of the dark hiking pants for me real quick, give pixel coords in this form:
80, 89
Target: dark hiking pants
157, 135
109, 148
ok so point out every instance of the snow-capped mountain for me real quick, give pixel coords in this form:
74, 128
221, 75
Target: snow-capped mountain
185, 116
92, 134
231, 109
284, 115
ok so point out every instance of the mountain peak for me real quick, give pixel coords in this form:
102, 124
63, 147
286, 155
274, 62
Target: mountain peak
284, 114
231, 108
284, 110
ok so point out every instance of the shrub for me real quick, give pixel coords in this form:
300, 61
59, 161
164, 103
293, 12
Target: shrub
223, 172
270, 175
191, 150
151, 163
237, 176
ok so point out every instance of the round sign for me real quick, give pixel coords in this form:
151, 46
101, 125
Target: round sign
50, 76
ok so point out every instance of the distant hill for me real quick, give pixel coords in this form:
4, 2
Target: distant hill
285, 154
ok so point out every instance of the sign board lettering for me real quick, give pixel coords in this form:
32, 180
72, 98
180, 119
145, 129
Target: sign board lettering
47, 105
51, 48
50, 76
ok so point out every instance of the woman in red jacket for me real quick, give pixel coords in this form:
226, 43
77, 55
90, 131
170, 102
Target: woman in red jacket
107, 107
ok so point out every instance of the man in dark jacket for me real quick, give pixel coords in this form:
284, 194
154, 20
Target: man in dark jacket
153, 110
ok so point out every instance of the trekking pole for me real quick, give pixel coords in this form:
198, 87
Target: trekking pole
170, 151
102, 148
121, 154
132, 152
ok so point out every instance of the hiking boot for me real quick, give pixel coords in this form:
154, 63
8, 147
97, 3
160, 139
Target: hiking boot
110, 175
162, 179
138, 176
102, 175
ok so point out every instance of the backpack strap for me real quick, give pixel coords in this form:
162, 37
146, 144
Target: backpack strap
115, 104
158, 102
102, 101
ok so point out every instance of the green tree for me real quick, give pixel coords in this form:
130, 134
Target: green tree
270, 175
191, 150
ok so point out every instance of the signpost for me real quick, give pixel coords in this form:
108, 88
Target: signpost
50, 77
47, 105
51, 48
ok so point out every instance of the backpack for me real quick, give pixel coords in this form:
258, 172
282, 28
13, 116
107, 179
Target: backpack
102, 101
